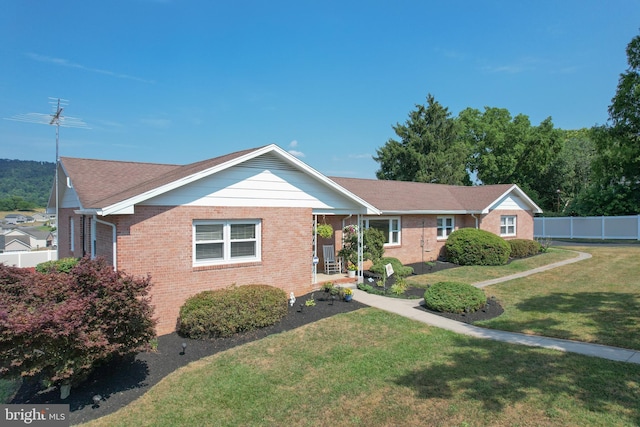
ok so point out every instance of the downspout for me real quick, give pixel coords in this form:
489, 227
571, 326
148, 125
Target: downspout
476, 218
113, 239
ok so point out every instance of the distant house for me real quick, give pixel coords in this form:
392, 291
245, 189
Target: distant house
26, 239
17, 219
248, 217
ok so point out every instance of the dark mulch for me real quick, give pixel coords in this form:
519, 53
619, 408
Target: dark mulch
120, 383
489, 311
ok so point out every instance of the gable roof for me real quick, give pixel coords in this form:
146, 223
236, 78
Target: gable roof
109, 187
398, 197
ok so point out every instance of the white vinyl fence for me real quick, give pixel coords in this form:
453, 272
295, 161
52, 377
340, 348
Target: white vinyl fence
590, 227
27, 259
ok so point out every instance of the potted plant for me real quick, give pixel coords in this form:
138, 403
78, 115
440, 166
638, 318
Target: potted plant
347, 294
324, 230
351, 270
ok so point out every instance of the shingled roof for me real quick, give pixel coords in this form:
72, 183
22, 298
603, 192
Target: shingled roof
418, 197
100, 183
114, 185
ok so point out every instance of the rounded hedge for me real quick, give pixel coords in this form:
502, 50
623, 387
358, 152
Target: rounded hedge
398, 269
224, 312
454, 297
471, 246
522, 248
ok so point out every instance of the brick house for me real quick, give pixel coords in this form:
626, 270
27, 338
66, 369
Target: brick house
248, 217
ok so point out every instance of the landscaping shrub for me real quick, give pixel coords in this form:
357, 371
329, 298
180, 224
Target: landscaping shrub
522, 248
471, 246
398, 269
454, 297
224, 312
62, 325
63, 265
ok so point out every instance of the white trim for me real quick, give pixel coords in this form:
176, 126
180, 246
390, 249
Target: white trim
507, 226
445, 227
226, 242
388, 219
127, 206
520, 193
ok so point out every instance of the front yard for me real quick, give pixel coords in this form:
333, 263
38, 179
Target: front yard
596, 300
371, 367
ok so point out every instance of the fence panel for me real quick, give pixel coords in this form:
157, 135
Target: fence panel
27, 259
591, 227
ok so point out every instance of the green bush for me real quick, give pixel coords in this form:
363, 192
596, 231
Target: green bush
224, 312
398, 269
522, 248
471, 246
63, 265
454, 297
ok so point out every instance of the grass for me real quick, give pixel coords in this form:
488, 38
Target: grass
374, 368
596, 300
472, 274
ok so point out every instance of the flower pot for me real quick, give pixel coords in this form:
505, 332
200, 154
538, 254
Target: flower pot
351, 273
348, 297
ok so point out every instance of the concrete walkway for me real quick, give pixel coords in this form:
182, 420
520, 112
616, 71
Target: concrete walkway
410, 308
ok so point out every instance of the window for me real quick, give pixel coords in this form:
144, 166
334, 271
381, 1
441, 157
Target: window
446, 225
72, 236
508, 225
226, 242
390, 227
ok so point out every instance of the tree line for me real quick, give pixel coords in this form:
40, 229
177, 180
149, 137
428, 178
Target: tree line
25, 184
590, 171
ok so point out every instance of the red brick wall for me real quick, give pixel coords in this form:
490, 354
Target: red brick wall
158, 241
524, 223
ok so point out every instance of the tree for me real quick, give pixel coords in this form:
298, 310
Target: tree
428, 151
506, 150
617, 164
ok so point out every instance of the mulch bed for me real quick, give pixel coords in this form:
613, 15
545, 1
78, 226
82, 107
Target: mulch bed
120, 383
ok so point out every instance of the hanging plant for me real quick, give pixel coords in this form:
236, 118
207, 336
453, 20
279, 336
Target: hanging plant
324, 230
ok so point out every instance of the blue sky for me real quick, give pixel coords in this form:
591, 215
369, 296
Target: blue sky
182, 81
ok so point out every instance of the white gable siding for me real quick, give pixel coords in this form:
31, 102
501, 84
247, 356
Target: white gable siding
252, 185
68, 197
510, 203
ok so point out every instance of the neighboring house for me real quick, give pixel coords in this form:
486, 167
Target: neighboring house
248, 217
17, 219
27, 239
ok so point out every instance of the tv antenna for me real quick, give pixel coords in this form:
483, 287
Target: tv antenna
58, 120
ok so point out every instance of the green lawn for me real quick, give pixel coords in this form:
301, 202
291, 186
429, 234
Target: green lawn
373, 368
596, 300
472, 274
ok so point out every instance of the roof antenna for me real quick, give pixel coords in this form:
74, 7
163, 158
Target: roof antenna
58, 120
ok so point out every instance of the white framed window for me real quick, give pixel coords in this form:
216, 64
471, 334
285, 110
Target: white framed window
390, 227
72, 235
508, 225
226, 242
446, 226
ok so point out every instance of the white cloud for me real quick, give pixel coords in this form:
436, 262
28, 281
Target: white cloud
67, 63
297, 153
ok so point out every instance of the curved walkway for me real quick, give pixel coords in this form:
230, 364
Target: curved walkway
410, 308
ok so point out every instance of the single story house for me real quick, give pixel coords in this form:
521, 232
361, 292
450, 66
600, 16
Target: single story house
249, 217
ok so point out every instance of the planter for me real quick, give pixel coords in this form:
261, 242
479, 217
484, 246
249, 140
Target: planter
351, 273
348, 298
